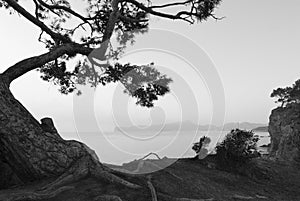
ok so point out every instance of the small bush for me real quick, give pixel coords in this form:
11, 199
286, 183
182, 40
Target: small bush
201, 147
238, 147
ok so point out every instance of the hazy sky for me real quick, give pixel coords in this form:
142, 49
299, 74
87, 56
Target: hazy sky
255, 49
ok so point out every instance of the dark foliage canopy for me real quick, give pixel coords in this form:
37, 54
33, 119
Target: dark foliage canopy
287, 95
69, 33
238, 147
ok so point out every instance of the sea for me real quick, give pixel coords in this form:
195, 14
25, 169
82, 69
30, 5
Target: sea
122, 147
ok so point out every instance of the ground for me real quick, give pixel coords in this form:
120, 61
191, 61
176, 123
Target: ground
194, 179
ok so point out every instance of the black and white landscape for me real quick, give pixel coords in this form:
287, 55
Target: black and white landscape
170, 100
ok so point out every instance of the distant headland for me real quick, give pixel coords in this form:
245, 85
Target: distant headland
190, 126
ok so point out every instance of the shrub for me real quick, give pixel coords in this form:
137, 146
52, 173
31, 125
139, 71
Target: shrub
238, 147
200, 147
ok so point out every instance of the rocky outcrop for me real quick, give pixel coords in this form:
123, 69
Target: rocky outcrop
284, 129
48, 125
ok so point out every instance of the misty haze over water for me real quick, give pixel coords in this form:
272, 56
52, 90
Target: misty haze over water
118, 147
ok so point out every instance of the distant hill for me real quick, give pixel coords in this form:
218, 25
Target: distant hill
189, 126
261, 129
243, 125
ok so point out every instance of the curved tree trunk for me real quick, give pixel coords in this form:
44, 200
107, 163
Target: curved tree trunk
30, 150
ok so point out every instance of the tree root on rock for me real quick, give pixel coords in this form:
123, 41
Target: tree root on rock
152, 189
33, 195
88, 166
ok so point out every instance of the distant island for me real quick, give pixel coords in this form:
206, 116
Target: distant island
261, 129
190, 126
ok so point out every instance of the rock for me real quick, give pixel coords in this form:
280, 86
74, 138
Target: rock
48, 125
108, 198
284, 129
91, 152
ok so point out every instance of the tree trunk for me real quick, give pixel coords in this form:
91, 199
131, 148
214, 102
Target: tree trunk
30, 150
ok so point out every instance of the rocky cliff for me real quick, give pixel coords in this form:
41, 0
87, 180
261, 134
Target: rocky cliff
284, 129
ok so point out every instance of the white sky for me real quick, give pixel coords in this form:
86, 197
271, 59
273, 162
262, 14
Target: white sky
255, 49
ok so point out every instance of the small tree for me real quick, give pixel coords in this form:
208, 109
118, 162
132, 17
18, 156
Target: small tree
287, 95
238, 147
198, 147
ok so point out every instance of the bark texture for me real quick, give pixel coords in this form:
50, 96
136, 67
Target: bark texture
30, 150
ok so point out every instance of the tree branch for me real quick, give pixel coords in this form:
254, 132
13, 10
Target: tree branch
200, 12
59, 7
171, 4
129, 19
156, 13
32, 63
29, 64
36, 9
64, 45
34, 20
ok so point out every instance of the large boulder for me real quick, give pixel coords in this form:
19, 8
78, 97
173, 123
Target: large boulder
284, 129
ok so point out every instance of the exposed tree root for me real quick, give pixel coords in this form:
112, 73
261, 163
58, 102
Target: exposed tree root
151, 153
76, 172
33, 195
152, 189
82, 168
107, 176
142, 163
88, 166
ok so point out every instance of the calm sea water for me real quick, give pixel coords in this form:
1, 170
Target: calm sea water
118, 148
